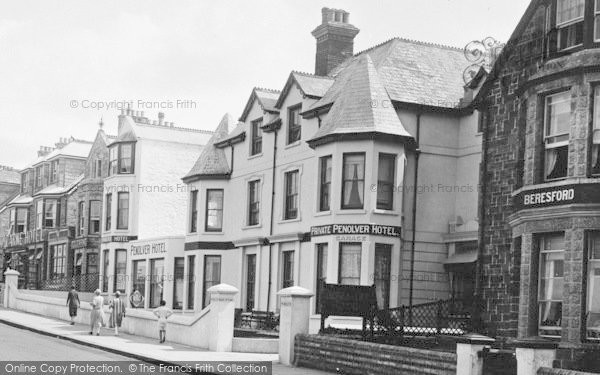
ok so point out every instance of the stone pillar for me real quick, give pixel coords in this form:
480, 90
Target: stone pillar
11, 279
294, 319
222, 312
533, 353
468, 361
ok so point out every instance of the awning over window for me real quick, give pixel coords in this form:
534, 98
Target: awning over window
469, 256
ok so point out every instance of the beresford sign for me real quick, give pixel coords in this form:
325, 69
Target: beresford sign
354, 229
557, 195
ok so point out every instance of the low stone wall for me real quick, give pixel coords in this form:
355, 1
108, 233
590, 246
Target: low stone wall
83, 296
556, 371
351, 357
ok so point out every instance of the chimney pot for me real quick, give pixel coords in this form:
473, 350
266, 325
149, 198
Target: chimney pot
335, 42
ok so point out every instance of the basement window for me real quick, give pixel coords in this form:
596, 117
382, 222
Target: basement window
557, 118
569, 22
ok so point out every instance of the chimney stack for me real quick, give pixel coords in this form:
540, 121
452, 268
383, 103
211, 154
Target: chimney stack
161, 118
335, 40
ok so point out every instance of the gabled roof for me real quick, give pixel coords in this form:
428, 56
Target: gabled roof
361, 105
212, 161
266, 99
411, 71
310, 85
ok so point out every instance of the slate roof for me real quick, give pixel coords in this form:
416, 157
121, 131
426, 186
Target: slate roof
238, 132
267, 98
132, 130
212, 160
58, 190
411, 71
309, 84
361, 105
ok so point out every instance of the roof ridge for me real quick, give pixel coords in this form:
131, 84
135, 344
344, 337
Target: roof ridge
311, 75
414, 41
176, 128
267, 90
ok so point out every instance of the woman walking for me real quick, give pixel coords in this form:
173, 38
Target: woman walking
162, 313
73, 303
97, 314
117, 312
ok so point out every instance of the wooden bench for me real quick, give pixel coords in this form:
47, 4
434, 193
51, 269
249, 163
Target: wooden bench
263, 319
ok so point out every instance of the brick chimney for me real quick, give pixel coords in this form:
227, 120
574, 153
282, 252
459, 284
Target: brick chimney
335, 40
44, 150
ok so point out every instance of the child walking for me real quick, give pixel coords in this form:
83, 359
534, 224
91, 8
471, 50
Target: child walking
162, 313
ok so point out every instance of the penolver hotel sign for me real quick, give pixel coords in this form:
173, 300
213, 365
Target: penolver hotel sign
558, 196
355, 229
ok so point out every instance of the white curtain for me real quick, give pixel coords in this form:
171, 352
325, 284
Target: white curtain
568, 10
551, 158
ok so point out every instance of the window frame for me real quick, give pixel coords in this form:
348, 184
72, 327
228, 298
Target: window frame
291, 188
324, 184
592, 263
253, 207
565, 25
364, 163
81, 218
120, 225
556, 140
382, 185
541, 276
219, 212
105, 268
178, 276
292, 127
250, 282
213, 282
256, 139
340, 262
287, 264
194, 211
108, 208
94, 218
118, 266
53, 217
322, 250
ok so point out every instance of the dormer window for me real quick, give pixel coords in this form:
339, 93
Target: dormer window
97, 168
121, 159
53, 177
38, 177
569, 22
294, 129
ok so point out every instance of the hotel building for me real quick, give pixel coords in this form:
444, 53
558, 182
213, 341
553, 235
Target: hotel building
363, 173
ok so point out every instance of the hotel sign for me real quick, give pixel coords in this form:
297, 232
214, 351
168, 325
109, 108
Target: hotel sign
149, 249
557, 196
118, 239
79, 243
355, 229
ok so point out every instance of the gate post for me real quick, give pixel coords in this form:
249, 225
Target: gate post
11, 279
293, 320
533, 353
468, 361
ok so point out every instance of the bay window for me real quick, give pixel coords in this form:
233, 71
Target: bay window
139, 278
53, 171
256, 145
121, 158
551, 274
178, 275
557, 120
105, 264
385, 181
596, 20
353, 186
214, 210
157, 279
291, 195
38, 177
593, 287
321, 273
94, 219
120, 270
12, 219
349, 263
59, 264
21, 220
383, 265
212, 276
39, 214
325, 183
569, 22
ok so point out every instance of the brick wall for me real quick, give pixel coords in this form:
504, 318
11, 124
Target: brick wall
346, 356
504, 151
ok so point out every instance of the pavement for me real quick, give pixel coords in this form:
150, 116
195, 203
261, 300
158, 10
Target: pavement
137, 347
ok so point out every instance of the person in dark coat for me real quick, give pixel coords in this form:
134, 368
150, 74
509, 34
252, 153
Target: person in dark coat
73, 303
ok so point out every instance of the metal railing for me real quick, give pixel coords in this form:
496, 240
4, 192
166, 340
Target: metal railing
444, 317
83, 283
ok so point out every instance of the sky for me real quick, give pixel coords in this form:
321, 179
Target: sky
65, 64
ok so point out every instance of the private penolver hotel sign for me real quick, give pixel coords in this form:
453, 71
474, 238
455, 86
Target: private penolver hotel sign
355, 229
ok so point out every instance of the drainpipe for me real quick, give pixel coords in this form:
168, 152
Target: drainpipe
232, 159
272, 219
414, 217
477, 308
